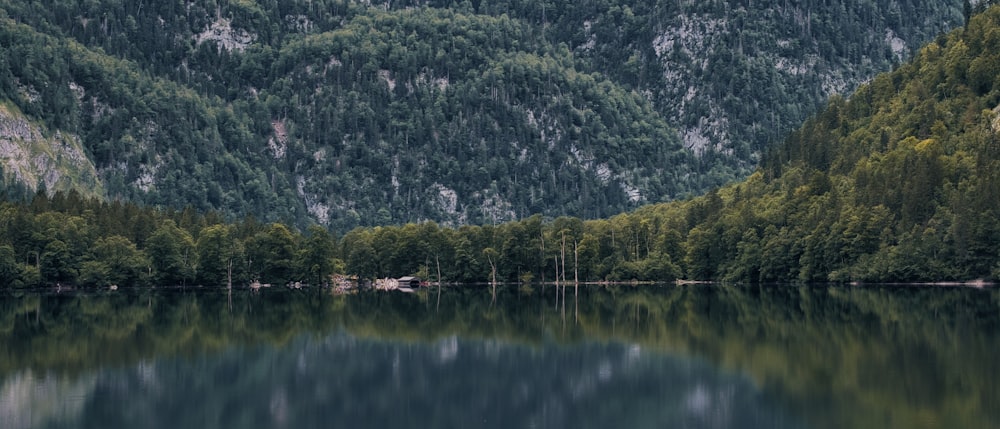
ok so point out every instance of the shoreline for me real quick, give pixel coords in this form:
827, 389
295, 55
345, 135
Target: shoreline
978, 284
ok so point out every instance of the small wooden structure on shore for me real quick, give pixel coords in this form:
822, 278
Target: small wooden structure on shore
407, 283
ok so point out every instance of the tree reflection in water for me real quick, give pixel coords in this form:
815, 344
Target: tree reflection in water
674, 356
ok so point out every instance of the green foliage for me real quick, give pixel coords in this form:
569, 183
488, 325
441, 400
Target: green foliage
895, 183
890, 184
172, 252
58, 264
125, 264
317, 258
349, 114
9, 271
219, 255
271, 255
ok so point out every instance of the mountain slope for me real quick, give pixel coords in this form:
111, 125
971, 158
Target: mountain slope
504, 130
38, 158
349, 114
897, 183
733, 77
355, 126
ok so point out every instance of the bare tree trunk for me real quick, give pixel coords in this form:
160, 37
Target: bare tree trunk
562, 250
493, 276
438, 262
564, 301
576, 282
541, 236
557, 281
576, 263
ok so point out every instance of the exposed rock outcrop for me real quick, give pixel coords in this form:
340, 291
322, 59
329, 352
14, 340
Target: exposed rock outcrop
33, 156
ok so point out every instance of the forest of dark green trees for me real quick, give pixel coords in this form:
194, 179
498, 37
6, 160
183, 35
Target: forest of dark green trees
895, 183
352, 114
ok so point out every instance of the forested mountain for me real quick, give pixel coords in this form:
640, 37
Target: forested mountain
350, 114
898, 182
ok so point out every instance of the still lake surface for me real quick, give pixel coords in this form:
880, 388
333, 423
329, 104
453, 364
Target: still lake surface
693, 356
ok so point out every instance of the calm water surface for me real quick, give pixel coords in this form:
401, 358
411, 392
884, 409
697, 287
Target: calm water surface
601, 357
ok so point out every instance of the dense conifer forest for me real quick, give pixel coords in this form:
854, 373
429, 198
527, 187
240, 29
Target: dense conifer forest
895, 183
351, 114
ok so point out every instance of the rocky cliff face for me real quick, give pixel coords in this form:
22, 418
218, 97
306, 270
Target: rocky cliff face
34, 157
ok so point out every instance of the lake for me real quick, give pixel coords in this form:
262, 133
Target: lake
649, 356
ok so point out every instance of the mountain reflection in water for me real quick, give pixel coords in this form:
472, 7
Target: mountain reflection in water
663, 356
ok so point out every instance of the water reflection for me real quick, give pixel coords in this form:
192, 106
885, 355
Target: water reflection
697, 357
28, 400
345, 381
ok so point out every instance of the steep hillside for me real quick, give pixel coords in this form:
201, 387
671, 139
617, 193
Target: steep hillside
733, 76
737, 76
41, 159
351, 114
467, 119
392, 116
897, 183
